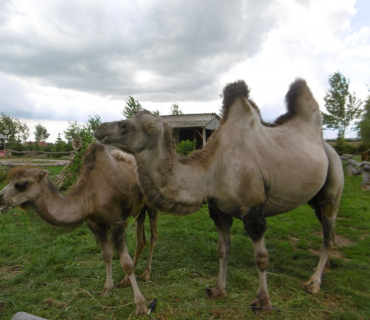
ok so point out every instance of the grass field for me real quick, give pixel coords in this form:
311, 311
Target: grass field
57, 273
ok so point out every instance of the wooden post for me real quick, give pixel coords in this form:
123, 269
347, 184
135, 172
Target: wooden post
204, 136
26, 316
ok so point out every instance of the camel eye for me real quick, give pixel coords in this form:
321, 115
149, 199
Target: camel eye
152, 127
21, 186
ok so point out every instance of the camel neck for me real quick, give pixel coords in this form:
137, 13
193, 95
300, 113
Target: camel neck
171, 184
56, 209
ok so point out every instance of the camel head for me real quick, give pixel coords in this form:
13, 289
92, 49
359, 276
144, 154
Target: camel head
24, 186
142, 132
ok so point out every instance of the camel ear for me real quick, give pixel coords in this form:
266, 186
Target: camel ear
152, 127
42, 174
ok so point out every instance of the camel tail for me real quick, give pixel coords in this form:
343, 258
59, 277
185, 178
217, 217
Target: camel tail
300, 103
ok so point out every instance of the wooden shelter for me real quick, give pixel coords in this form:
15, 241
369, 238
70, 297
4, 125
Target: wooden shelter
191, 127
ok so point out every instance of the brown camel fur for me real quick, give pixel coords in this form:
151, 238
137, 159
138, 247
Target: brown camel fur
248, 170
105, 195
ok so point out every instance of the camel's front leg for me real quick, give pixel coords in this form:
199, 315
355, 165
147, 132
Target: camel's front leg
255, 225
223, 223
153, 219
128, 266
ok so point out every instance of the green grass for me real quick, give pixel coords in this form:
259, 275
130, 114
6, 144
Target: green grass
39, 262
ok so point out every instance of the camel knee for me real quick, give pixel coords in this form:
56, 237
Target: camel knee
154, 238
107, 256
127, 265
262, 260
223, 251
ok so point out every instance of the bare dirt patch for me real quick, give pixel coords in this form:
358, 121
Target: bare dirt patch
10, 272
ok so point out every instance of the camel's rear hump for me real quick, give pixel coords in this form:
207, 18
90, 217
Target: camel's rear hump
301, 104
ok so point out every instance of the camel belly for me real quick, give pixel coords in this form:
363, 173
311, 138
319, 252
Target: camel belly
292, 194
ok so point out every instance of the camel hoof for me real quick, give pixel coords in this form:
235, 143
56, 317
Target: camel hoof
141, 309
216, 294
124, 283
105, 292
145, 276
258, 306
311, 287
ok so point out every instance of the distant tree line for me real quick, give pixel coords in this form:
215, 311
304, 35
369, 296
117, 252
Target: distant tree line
343, 108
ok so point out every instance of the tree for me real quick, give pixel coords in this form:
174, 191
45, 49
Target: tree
41, 133
132, 106
363, 126
85, 131
342, 106
175, 109
16, 131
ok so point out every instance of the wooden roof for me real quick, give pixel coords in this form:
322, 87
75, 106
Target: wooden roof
208, 120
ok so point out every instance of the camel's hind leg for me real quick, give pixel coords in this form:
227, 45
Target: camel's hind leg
101, 236
326, 205
153, 220
119, 238
223, 223
140, 244
326, 210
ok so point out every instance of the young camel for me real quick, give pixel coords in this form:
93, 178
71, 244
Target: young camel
105, 195
248, 170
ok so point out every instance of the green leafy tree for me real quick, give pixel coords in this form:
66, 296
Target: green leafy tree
41, 133
86, 132
72, 130
157, 112
175, 109
341, 105
61, 145
131, 107
16, 131
363, 126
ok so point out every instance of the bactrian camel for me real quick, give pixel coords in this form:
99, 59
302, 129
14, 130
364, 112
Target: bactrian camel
248, 170
105, 195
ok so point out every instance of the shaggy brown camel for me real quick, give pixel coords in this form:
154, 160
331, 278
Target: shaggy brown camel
248, 170
104, 196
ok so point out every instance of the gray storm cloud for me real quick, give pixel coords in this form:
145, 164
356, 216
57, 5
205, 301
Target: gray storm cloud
181, 47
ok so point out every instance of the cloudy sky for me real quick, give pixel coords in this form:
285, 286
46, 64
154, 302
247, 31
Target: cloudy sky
63, 60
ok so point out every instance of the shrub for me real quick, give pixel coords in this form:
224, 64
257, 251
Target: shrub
185, 147
342, 147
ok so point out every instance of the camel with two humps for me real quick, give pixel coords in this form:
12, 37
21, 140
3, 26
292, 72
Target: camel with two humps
249, 170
